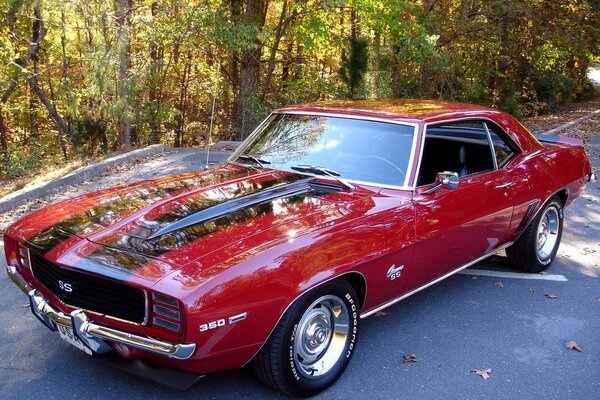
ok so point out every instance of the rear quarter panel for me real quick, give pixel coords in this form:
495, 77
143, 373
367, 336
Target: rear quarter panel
538, 174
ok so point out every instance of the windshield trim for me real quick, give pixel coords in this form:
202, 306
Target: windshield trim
411, 160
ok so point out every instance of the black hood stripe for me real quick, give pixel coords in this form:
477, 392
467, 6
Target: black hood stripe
129, 253
127, 202
236, 204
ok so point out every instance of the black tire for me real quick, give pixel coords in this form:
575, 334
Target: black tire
286, 363
537, 246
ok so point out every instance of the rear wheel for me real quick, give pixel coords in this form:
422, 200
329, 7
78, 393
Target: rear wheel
535, 250
313, 342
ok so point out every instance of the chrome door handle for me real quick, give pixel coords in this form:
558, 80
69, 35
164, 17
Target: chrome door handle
505, 185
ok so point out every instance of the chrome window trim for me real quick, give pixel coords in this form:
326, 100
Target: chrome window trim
411, 158
491, 145
485, 120
510, 143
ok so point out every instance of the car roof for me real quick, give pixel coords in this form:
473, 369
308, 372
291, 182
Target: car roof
393, 109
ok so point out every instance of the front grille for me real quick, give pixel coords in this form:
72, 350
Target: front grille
89, 292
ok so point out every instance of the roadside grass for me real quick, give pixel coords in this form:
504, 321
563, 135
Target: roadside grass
46, 174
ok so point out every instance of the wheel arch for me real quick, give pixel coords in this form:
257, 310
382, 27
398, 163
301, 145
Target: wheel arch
563, 195
356, 279
359, 283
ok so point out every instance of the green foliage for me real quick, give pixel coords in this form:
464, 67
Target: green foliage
23, 160
553, 88
525, 57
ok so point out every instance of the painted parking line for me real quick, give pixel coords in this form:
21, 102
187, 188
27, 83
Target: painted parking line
513, 275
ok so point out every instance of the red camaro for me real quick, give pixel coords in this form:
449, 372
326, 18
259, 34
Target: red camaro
328, 213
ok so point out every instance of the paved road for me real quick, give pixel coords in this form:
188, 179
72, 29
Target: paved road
453, 327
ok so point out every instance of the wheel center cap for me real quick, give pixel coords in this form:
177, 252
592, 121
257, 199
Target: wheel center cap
321, 335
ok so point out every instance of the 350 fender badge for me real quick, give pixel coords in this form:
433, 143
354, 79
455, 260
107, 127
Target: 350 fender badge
222, 322
394, 272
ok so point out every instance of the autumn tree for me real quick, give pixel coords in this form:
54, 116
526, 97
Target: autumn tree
83, 78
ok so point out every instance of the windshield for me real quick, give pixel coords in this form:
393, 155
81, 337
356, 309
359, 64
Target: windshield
359, 150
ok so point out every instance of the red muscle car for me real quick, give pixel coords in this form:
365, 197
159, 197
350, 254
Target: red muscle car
326, 214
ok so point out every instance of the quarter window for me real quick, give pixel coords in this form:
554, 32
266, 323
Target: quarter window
503, 149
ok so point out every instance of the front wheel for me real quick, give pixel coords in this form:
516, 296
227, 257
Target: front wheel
535, 250
313, 342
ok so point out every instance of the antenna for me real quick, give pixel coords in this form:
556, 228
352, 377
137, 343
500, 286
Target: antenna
212, 114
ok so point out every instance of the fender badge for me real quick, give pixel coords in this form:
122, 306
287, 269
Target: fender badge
394, 272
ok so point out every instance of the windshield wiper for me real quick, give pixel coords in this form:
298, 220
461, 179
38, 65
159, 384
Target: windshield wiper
323, 171
254, 158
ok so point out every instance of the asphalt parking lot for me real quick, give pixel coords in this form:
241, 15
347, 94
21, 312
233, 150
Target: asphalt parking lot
515, 324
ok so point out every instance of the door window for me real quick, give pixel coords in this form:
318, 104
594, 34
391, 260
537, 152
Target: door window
462, 147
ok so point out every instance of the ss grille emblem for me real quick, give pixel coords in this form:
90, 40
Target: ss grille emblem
65, 286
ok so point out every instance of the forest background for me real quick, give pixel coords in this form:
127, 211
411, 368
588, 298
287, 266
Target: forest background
80, 79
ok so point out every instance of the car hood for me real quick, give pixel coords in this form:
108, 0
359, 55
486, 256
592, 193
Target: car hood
150, 229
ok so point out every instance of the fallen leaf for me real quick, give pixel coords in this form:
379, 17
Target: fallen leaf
484, 372
380, 313
499, 284
551, 295
532, 290
571, 345
544, 273
410, 358
587, 250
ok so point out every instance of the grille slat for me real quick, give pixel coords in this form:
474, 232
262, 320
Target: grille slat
92, 293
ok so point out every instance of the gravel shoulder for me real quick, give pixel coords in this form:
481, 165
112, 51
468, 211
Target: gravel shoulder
171, 162
584, 130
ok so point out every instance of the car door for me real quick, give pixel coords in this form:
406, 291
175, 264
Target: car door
457, 226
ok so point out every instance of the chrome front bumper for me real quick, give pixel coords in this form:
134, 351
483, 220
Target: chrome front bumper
91, 334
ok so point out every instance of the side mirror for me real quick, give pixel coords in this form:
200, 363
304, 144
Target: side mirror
448, 179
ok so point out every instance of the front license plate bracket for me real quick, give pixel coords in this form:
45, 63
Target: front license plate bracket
68, 335
80, 324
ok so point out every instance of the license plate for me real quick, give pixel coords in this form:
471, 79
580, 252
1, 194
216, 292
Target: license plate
66, 333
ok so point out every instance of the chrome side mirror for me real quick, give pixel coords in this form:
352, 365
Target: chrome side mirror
448, 179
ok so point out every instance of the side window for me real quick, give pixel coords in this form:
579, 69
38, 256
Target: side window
503, 149
462, 147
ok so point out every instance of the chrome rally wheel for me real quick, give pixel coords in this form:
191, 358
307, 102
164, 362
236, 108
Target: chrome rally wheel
321, 336
548, 233
313, 342
537, 246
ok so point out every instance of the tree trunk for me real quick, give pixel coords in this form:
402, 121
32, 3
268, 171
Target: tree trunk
377, 63
153, 91
182, 106
3, 144
56, 117
250, 71
21, 64
285, 70
123, 9
426, 68
234, 75
501, 82
279, 32
39, 32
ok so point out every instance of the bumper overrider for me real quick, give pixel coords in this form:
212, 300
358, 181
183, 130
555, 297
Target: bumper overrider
92, 335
